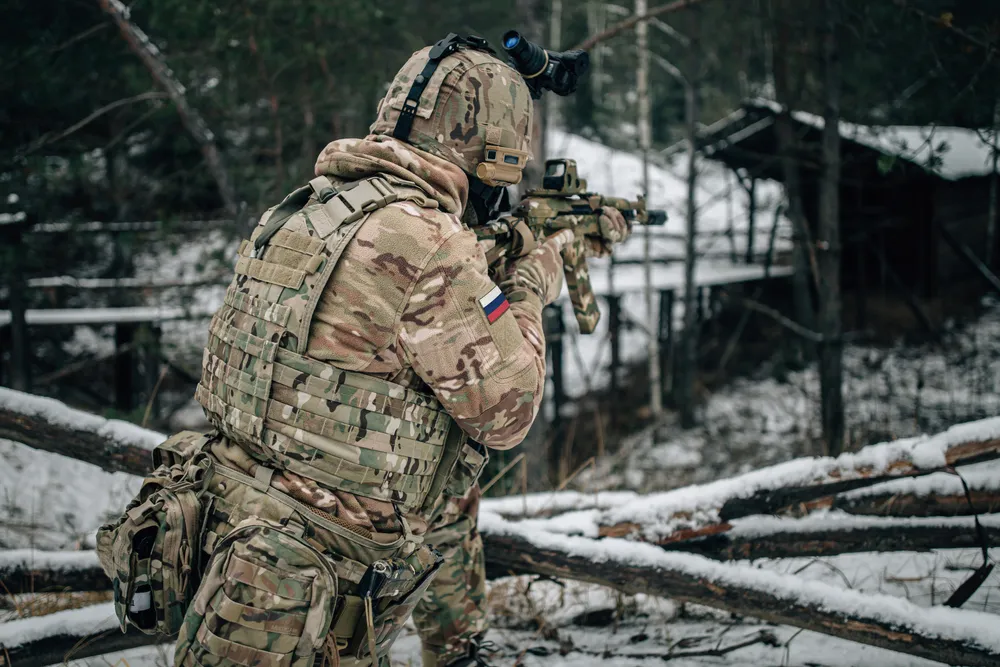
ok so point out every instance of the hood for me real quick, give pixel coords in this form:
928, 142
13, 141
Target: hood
351, 159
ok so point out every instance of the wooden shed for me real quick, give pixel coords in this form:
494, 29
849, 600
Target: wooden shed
918, 209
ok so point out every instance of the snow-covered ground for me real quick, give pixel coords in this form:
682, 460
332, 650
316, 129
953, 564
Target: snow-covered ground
893, 392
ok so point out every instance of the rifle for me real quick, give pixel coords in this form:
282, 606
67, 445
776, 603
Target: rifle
562, 203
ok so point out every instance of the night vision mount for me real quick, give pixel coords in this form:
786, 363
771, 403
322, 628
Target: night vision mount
558, 71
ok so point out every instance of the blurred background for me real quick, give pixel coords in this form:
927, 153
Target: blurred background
813, 290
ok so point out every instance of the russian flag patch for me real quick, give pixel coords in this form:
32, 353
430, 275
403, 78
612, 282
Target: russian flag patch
494, 304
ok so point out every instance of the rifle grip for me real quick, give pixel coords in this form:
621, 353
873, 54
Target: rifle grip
581, 293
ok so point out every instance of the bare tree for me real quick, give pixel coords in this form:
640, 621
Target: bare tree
193, 122
828, 243
645, 141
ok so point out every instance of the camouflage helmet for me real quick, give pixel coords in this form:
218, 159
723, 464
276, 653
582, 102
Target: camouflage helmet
474, 111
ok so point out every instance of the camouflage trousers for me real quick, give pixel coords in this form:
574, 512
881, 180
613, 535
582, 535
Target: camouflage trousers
453, 610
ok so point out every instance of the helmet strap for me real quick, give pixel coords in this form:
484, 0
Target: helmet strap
442, 48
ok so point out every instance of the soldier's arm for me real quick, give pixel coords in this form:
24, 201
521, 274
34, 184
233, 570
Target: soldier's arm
481, 349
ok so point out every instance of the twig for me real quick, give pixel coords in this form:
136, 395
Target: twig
942, 22
808, 334
46, 140
152, 395
617, 28
589, 462
82, 364
503, 472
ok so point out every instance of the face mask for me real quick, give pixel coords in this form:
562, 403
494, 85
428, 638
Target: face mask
487, 201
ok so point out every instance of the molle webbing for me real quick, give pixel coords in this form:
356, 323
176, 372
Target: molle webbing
345, 430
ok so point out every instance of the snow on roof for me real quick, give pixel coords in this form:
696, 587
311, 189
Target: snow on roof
55, 412
971, 627
950, 152
661, 514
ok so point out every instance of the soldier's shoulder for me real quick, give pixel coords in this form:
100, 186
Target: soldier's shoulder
419, 230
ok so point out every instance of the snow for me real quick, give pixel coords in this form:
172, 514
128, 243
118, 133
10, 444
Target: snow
690, 507
56, 412
971, 627
73, 316
60, 561
763, 526
950, 152
48, 501
73, 622
980, 477
560, 501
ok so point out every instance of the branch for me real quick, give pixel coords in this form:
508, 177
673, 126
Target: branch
627, 24
196, 126
946, 23
46, 139
791, 325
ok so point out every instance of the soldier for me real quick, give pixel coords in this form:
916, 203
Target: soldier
364, 359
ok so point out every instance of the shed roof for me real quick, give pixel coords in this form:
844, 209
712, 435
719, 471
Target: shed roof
951, 153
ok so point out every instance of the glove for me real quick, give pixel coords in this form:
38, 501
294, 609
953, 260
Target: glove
540, 271
614, 229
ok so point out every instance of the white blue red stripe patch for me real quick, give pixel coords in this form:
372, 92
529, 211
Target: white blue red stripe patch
494, 304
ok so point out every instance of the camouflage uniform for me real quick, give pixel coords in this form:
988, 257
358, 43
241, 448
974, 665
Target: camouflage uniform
362, 358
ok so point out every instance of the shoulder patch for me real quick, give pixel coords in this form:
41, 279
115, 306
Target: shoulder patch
494, 304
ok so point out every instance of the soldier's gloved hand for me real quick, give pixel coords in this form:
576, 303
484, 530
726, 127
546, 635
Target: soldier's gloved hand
614, 229
541, 270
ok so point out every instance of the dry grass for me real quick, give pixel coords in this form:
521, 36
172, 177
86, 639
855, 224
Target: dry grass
43, 604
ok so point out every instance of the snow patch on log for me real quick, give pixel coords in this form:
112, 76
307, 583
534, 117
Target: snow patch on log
72, 622
980, 477
60, 561
60, 414
534, 504
833, 522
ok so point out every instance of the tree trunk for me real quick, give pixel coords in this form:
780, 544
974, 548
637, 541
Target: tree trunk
645, 141
788, 149
687, 358
992, 215
533, 27
831, 349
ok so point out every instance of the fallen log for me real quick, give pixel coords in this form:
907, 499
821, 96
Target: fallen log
27, 571
30, 571
709, 508
769, 537
952, 636
934, 495
67, 635
51, 426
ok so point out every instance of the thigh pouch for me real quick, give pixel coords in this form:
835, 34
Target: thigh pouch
341, 592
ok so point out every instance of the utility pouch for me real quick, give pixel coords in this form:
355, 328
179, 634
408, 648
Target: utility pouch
150, 551
472, 459
393, 598
265, 600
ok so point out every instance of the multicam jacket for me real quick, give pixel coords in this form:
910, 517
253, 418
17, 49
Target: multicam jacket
411, 301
